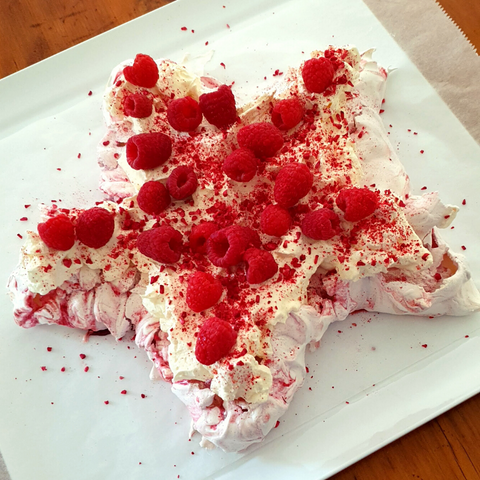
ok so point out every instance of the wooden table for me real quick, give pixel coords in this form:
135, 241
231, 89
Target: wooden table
446, 448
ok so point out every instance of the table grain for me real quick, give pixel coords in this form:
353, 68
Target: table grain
446, 448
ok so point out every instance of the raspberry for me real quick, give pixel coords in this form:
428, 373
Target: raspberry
321, 224
263, 138
95, 227
357, 203
203, 291
293, 182
199, 236
275, 221
153, 198
148, 150
162, 244
317, 74
219, 107
254, 238
143, 72
215, 339
137, 105
182, 182
261, 265
287, 113
57, 232
225, 247
240, 165
184, 114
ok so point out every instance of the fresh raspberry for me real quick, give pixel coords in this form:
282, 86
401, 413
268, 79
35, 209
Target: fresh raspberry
184, 114
57, 232
95, 227
265, 139
293, 182
203, 291
215, 339
317, 74
321, 224
261, 265
148, 150
153, 197
162, 244
182, 182
275, 220
357, 203
240, 165
219, 107
137, 105
287, 113
199, 236
225, 247
254, 238
143, 72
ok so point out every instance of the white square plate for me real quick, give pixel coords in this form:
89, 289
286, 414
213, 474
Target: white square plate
371, 381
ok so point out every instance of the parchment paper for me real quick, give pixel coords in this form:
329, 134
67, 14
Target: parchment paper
53, 423
440, 50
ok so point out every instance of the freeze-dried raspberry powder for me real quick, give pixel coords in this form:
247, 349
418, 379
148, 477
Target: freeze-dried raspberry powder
219, 107
215, 339
143, 72
137, 105
184, 114
287, 113
240, 165
261, 265
148, 150
275, 220
321, 224
153, 197
317, 74
293, 182
182, 182
357, 203
203, 291
57, 233
226, 247
199, 236
263, 138
162, 244
95, 227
